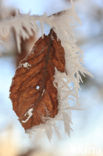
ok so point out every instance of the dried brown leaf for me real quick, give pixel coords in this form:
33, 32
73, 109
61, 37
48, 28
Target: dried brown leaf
33, 94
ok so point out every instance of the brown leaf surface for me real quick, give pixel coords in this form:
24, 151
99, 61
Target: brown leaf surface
32, 91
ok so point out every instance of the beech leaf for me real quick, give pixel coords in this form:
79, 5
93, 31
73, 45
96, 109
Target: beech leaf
33, 94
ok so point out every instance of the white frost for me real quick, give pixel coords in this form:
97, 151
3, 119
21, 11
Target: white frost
29, 114
26, 65
63, 25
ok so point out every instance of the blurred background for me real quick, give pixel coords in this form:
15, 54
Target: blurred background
86, 137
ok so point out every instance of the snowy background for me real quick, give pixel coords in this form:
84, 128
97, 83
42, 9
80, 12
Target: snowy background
87, 124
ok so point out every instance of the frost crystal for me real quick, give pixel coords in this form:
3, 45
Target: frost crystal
28, 114
25, 65
63, 25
